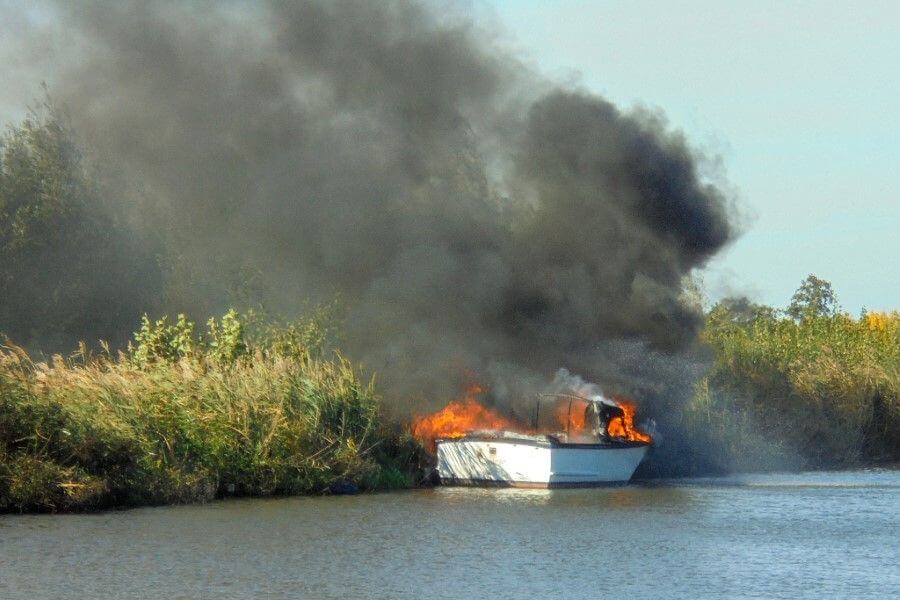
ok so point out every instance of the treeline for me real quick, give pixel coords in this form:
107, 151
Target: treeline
805, 387
71, 268
246, 408
77, 262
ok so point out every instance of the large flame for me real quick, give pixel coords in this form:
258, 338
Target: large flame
623, 427
461, 417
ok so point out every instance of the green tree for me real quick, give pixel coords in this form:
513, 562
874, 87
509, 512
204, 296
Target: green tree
159, 342
69, 267
814, 298
226, 338
740, 310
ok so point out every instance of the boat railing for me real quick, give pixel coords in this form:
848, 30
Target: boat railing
570, 397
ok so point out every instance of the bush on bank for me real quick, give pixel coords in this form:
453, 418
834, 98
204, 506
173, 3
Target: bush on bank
254, 408
246, 409
808, 387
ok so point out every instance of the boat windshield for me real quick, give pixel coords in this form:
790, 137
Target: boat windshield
597, 415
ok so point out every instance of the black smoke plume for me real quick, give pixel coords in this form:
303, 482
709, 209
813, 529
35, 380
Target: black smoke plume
474, 219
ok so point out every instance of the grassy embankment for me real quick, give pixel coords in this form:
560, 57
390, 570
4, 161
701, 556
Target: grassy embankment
180, 419
807, 391
250, 409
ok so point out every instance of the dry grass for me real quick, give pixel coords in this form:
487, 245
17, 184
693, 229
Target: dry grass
104, 431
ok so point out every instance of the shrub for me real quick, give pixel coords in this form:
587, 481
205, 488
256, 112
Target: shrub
821, 390
181, 419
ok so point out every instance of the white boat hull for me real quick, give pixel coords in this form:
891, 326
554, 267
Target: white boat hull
518, 463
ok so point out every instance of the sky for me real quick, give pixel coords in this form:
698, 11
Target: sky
797, 104
799, 101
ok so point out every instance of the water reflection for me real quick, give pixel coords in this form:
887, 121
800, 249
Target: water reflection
630, 497
862, 479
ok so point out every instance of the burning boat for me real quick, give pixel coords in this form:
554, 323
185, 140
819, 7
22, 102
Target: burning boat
474, 445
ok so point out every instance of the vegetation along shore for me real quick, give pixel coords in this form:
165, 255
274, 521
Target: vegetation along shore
252, 407
179, 418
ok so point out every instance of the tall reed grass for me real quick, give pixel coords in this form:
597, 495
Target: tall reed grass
817, 392
179, 418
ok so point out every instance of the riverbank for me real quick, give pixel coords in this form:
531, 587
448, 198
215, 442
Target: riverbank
178, 419
251, 408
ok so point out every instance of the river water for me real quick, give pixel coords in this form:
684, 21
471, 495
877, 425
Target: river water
813, 535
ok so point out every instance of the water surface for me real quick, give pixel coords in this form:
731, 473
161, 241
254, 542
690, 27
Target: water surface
767, 536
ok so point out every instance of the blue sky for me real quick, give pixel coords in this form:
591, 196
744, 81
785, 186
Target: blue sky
800, 100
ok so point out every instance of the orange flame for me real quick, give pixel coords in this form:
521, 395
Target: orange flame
459, 418
623, 427
464, 416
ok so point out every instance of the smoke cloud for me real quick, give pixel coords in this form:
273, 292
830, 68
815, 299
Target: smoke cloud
474, 219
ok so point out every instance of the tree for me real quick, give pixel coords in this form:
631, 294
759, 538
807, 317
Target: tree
693, 294
69, 267
740, 310
814, 298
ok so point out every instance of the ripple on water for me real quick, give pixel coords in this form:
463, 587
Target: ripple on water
776, 536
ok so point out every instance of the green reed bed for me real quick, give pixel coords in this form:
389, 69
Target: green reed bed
180, 418
812, 391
